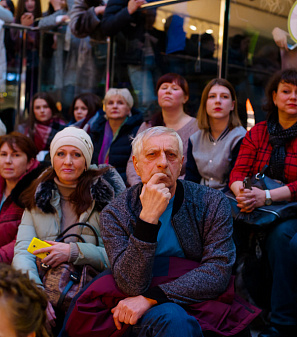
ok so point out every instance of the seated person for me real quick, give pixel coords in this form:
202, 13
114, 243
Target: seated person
22, 305
273, 143
84, 109
111, 133
44, 122
17, 160
165, 217
213, 149
68, 192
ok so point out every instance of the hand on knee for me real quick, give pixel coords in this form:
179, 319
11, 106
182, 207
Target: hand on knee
130, 309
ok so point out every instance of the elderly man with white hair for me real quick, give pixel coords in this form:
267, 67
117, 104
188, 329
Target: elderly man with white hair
161, 218
169, 243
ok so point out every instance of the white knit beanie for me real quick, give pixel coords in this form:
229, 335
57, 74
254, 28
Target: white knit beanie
75, 137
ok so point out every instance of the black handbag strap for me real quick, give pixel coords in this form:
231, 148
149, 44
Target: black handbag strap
69, 236
62, 235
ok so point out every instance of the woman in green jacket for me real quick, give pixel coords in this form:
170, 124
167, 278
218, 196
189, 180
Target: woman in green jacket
70, 191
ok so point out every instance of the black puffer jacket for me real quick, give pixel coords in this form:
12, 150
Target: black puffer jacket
120, 148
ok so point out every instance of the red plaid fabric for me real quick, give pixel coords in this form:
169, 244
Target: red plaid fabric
255, 152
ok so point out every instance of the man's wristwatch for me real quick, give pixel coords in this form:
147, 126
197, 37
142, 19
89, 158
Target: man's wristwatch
268, 200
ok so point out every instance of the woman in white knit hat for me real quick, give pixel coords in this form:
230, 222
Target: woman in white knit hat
70, 191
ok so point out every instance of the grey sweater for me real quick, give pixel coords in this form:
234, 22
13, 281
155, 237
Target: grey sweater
202, 221
213, 157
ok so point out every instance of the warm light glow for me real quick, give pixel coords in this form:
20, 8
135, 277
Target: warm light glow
163, 20
193, 27
250, 115
209, 31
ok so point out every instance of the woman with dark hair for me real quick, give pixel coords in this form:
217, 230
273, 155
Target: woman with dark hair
173, 94
213, 149
274, 143
83, 110
22, 305
27, 11
44, 121
68, 192
17, 159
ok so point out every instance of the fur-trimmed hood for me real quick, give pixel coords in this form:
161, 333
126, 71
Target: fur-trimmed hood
104, 189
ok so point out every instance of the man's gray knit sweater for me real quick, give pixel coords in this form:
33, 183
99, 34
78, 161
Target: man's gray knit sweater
202, 221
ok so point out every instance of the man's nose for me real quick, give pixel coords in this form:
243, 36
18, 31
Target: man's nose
162, 160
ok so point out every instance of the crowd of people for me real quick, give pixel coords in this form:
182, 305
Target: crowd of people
159, 231
173, 211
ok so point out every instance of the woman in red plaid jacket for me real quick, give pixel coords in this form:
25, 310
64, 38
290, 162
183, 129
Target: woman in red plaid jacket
274, 143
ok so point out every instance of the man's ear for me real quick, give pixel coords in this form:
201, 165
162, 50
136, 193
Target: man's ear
135, 163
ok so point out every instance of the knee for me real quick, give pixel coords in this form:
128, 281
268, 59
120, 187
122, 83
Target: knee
282, 234
175, 318
172, 312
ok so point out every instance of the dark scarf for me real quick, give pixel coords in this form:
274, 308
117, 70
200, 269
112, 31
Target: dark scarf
278, 138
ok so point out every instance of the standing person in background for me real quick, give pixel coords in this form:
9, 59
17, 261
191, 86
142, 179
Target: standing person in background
84, 110
111, 134
213, 149
26, 13
5, 17
136, 45
52, 19
5, 13
288, 57
173, 94
17, 160
85, 18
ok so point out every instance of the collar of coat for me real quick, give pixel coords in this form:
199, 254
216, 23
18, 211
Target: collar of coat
102, 192
25, 182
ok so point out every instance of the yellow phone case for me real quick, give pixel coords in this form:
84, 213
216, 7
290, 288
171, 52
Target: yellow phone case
37, 244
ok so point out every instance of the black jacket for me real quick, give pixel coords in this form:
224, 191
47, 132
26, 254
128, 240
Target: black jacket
120, 148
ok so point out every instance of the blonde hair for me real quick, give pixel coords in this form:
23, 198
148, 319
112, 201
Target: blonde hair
125, 93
